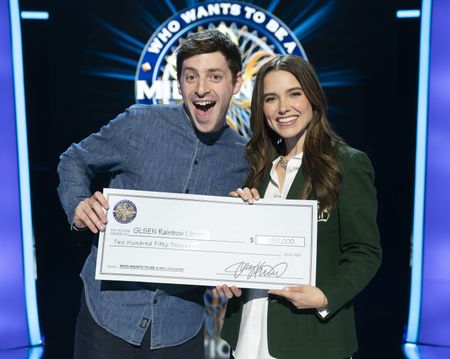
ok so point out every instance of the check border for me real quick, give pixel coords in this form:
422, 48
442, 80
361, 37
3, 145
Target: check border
195, 281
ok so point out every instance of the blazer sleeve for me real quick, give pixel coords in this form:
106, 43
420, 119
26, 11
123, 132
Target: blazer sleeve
359, 239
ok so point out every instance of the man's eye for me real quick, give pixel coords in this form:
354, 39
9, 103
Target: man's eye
216, 77
190, 78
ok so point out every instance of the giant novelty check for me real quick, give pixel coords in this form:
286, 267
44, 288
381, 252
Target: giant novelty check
205, 240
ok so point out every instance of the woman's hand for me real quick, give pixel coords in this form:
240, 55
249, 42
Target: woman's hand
303, 296
226, 291
247, 194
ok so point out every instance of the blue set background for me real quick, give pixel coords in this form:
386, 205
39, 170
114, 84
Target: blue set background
376, 114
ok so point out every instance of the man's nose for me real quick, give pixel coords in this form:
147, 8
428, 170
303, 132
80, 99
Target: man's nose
202, 87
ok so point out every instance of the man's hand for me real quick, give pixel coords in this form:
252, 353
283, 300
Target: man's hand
303, 296
90, 213
226, 291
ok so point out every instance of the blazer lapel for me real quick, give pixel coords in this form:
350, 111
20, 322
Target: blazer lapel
294, 191
265, 182
297, 185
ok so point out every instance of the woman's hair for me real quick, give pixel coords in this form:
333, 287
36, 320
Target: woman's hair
320, 167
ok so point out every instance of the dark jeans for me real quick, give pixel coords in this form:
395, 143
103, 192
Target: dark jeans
94, 342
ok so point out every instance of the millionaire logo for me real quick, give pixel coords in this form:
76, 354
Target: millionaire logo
257, 32
124, 211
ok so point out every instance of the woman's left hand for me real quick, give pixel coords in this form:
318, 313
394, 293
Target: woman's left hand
303, 296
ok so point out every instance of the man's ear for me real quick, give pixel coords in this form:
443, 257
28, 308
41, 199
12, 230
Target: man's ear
179, 86
238, 83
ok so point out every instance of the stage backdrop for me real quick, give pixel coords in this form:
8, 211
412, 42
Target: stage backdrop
92, 59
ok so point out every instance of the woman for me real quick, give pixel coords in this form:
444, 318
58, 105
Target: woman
294, 154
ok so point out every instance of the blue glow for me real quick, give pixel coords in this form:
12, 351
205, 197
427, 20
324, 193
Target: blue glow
117, 58
112, 74
192, 2
342, 83
22, 149
154, 24
338, 78
121, 34
35, 15
419, 191
307, 26
411, 351
329, 78
129, 47
35, 353
273, 4
408, 14
170, 5
304, 12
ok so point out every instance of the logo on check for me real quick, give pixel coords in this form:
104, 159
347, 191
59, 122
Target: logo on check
124, 211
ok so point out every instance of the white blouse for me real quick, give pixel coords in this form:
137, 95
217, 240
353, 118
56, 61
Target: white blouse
252, 342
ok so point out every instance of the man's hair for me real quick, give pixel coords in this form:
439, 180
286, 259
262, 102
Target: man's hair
208, 41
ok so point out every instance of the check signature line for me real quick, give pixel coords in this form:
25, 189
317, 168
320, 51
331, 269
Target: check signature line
197, 250
184, 238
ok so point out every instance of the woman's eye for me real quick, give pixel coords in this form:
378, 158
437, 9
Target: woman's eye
296, 93
270, 99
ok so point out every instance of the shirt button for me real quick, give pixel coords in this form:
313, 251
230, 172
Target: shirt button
196, 162
155, 301
187, 190
143, 323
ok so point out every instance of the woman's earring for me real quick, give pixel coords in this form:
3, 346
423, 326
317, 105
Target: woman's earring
279, 140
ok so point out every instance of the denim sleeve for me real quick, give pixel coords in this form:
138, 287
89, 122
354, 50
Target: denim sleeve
106, 151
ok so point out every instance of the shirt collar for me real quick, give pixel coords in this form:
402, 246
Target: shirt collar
293, 164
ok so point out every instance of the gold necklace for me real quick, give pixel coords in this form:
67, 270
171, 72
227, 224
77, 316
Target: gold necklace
283, 163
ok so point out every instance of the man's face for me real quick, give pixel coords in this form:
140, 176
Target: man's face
206, 85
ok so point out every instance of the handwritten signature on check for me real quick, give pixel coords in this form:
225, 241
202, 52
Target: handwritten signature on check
262, 269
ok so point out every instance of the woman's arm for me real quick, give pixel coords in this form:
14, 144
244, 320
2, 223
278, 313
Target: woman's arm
359, 239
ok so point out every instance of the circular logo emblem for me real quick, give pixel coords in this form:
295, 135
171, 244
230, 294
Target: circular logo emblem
124, 211
257, 32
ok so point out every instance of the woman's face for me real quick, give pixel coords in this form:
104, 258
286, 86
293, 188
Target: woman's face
288, 112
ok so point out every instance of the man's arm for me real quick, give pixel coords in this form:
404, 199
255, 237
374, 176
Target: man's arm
102, 152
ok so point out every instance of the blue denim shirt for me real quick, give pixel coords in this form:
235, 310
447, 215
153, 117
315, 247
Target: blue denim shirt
153, 148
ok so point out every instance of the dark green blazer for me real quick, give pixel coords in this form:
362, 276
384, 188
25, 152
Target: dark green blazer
348, 256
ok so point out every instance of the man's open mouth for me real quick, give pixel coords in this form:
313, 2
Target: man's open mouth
204, 106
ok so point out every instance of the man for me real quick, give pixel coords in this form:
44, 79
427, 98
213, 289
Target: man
170, 148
